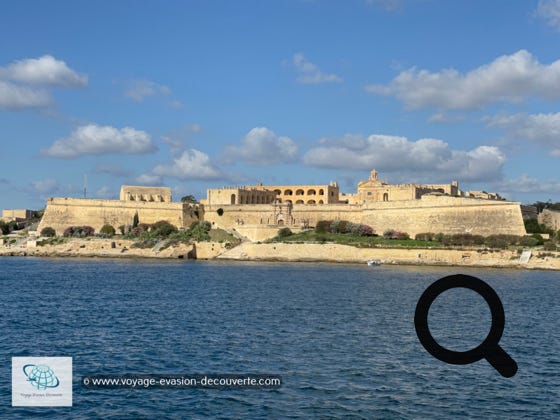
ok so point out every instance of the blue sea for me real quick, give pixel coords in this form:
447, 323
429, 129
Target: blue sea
342, 338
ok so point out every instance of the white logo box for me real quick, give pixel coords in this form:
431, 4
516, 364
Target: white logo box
42, 381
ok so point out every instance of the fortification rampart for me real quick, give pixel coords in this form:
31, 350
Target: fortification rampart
429, 214
63, 212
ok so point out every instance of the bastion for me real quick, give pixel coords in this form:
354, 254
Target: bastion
257, 212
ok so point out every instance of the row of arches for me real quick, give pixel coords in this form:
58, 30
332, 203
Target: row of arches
303, 202
300, 192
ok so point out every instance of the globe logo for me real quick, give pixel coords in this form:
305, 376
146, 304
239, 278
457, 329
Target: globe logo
41, 377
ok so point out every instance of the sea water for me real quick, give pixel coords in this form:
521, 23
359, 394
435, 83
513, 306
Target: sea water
342, 338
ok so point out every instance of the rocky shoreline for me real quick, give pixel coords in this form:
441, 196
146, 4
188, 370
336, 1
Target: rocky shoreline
290, 252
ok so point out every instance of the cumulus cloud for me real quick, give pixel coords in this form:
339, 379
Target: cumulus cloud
191, 164
138, 90
509, 78
45, 70
105, 192
15, 97
93, 139
549, 10
149, 179
540, 128
45, 186
309, 73
526, 184
431, 157
262, 146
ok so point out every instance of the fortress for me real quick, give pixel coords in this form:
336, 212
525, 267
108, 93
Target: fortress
259, 211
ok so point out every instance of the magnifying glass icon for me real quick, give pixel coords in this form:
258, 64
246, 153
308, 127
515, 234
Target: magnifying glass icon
489, 349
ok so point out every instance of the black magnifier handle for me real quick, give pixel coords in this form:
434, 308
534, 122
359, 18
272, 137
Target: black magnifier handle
501, 361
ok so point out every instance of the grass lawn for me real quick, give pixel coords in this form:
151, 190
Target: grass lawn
358, 241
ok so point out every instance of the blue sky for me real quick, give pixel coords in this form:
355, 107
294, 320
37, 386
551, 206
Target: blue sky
201, 94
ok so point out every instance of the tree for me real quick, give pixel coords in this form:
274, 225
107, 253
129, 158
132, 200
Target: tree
48, 232
107, 230
188, 199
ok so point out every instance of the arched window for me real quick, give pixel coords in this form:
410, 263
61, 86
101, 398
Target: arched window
288, 192
321, 202
299, 192
311, 202
233, 199
385, 196
278, 192
321, 192
311, 192
289, 201
299, 202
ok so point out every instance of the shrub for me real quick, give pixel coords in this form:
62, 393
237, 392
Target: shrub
539, 238
107, 230
388, 234
285, 232
425, 236
549, 246
199, 231
496, 241
439, 237
78, 231
323, 226
400, 235
122, 229
163, 228
49, 232
365, 230
341, 226
528, 241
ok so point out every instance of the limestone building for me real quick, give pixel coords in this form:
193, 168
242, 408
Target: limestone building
411, 208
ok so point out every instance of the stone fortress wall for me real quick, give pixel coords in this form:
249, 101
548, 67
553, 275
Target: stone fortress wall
61, 213
410, 208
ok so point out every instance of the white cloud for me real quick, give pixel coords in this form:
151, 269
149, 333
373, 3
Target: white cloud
430, 157
540, 128
192, 164
100, 140
309, 73
509, 78
105, 192
442, 117
525, 184
45, 70
149, 179
138, 90
15, 97
45, 186
262, 146
549, 10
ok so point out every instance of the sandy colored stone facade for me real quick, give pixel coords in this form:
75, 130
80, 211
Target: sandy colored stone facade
410, 208
16, 214
550, 218
61, 213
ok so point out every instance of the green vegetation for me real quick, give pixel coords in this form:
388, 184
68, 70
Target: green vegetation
188, 199
51, 241
49, 232
533, 226
147, 236
8, 227
107, 230
342, 232
78, 231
